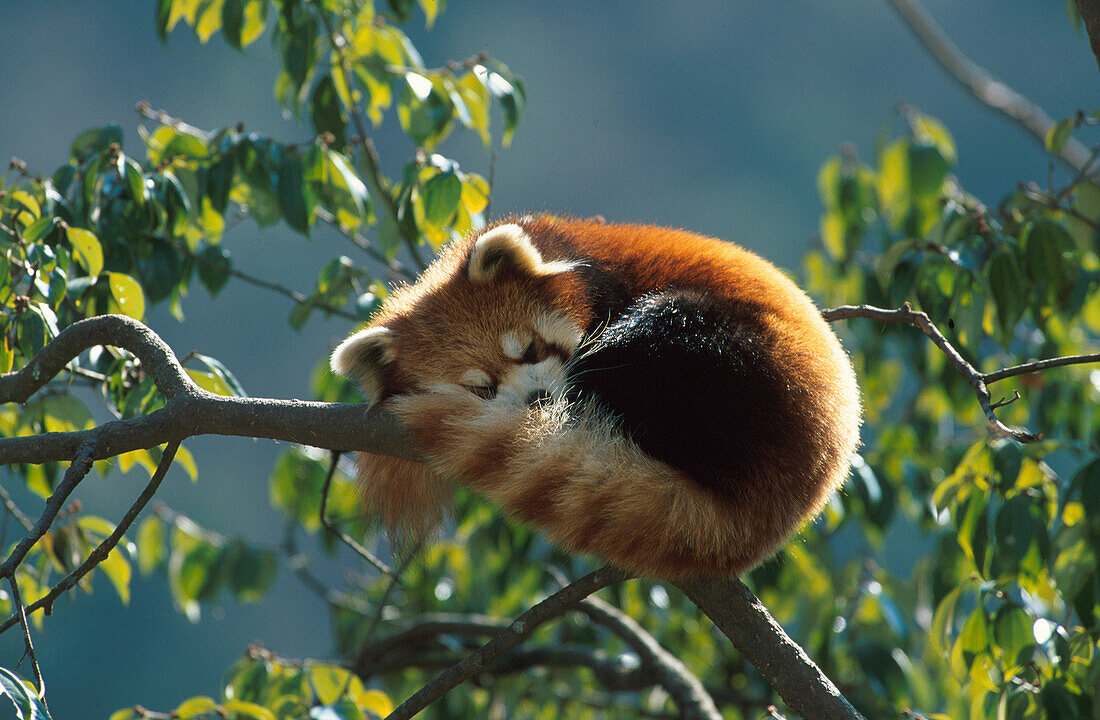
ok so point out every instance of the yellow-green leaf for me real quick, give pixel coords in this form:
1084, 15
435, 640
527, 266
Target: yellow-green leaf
195, 707
375, 701
27, 200
209, 382
86, 249
248, 709
118, 571
187, 461
127, 294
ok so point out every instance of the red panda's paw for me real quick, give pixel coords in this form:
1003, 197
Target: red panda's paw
437, 415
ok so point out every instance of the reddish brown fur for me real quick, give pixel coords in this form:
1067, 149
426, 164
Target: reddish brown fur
569, 470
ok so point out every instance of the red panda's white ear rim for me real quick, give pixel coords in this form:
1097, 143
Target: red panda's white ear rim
362, 357
508, 246
363, 352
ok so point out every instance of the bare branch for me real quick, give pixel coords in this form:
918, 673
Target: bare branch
906, 314
20, 616
189, 411
692, 699
81, 464
99, 554
156, 357
553, 606
983, 86
743, 619
1038, 365
340, 534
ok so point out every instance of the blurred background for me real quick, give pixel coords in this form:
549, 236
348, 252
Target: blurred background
710, 116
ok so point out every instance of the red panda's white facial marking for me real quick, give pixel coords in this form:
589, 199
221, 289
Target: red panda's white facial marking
515, 343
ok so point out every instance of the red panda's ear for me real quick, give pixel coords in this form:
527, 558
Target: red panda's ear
362, 356
508, 246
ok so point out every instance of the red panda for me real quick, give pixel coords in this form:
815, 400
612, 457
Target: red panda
669, 402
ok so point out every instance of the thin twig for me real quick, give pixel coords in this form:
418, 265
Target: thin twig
983, 86
297, 297
553, 606
1039, 365
14, 510
906, 314
77, 470
101, 551
21, 615
373, 173
692, 699
343, 536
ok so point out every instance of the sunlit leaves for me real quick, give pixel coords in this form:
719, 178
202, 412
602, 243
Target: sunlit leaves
28, 706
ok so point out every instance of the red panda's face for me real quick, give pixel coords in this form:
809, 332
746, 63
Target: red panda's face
485, 320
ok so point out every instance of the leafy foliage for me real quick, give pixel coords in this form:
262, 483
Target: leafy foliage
991, 610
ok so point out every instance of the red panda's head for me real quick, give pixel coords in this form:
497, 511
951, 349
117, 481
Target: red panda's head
491, 314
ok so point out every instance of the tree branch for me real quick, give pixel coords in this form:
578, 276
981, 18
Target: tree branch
692, 699
743, 619
906, 314
99, 554
553, 606
986, 88
189, 411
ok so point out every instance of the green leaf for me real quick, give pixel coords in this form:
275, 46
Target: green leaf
28, 706
251, 573
928, 169
214, 266
160, 271
32, 332
1059, 133
327, 114
426, 114
39, 229
1050, 257
342, 710
1013, 528
135, 181
95, 140
232, 21
222, 373
1012, 631
291, 192
441, 195
219, 179
127, 294
1058, 701
1009, 288
509, 90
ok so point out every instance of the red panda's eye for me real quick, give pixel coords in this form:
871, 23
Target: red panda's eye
530, 355
485, 392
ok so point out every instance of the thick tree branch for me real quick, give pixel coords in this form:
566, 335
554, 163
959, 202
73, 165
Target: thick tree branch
562, 601
986, 88
189, 411
742, 618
